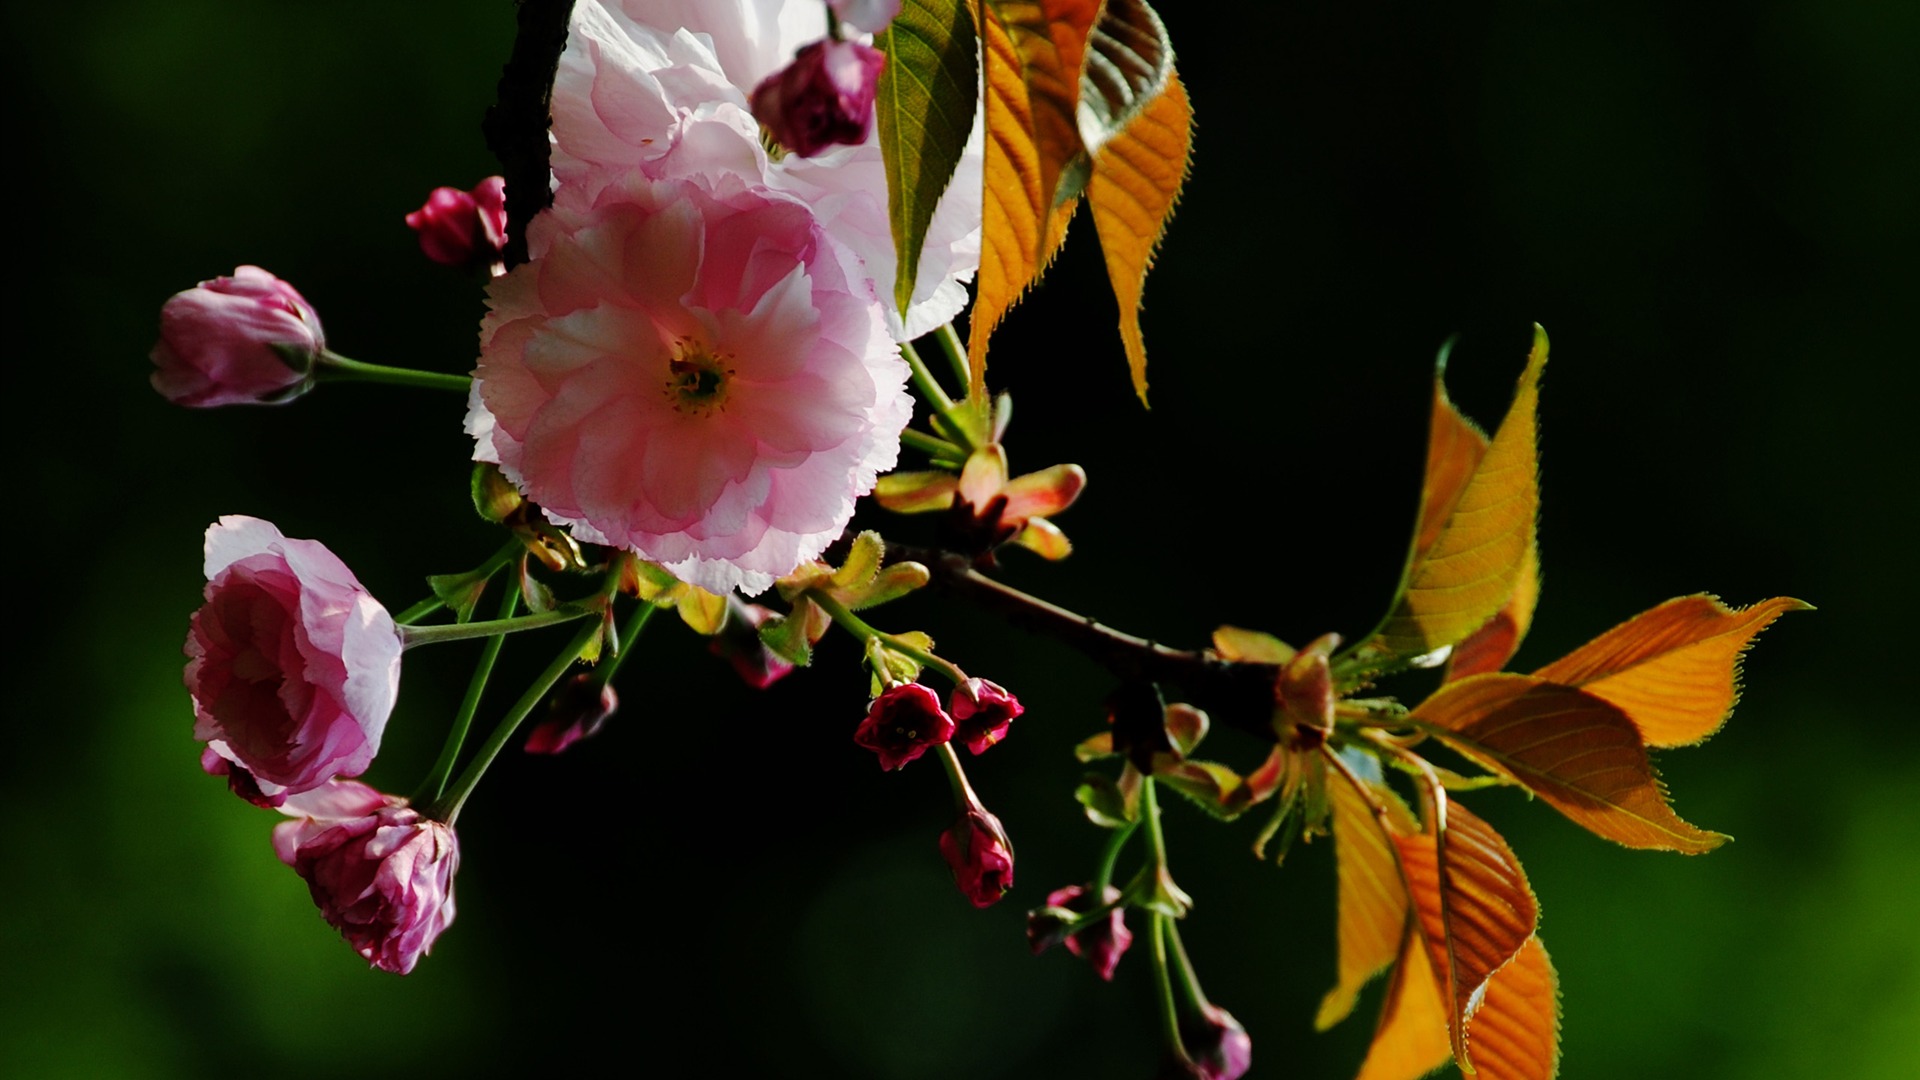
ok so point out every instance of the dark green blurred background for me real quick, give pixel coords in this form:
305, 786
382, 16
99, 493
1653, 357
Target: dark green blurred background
1711, 207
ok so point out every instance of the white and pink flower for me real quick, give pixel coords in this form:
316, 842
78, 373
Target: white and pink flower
292, 665
696, 375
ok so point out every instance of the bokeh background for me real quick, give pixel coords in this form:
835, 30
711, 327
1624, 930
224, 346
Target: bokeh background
1712, 208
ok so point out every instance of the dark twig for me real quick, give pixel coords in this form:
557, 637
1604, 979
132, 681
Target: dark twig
516, 126
1239, 695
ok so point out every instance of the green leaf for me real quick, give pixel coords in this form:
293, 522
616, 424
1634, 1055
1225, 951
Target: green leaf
786, 635
460, 592
1105, 805
924, 104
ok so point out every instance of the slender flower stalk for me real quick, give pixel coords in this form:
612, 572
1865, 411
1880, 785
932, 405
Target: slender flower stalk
1163, 986
944, 407
330, 366
859, 628
436, 781
434, 635
447, 807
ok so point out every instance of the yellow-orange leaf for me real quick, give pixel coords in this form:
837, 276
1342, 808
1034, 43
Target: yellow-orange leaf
1411, 1040
1032, 51
1579, 753
1474, 907
1675, 670
1136, 181
1475, 535
1490, 647
1516, 1032
1373, 900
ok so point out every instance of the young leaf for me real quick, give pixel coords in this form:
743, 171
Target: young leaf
1476, 525
924, 107
1373, 901
1050, 38
460, 592
1411, 1039
1490, 647
1020, 224
1474, 907
1136, 181
1128, 61
1240, 644
1210, 785
1516, 1031
916, 492
1675, 670
1579, 753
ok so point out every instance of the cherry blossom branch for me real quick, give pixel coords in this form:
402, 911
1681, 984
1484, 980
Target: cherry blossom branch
516, 126
1237, 694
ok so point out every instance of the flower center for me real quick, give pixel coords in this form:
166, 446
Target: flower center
697, 379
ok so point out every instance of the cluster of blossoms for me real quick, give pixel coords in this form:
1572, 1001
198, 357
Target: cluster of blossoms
703, 364
695, 368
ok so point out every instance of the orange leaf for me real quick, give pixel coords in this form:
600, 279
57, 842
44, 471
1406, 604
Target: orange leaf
1476, 526
1675, 670
1579, 753
1411, 1039
1516, 1032
1136, 181
1373, 900
1474, 907
1032, 51
1490, 647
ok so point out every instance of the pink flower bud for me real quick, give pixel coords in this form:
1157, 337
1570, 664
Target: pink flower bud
1099, 944
903, 723
382, 877
977, 849
577, 711
240, 340
292, 665
463, 228
982, 711
824, 97
1216, 1043
866, 16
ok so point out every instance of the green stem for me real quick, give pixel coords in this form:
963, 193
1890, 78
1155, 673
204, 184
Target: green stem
1189, 981
858, 627
413, 636
956, 353
931, 444
447, 807
937, 398
963, 797
330, 366
436, 781
1110, 856
419, 611
604, 671
1163, 984
1150, 810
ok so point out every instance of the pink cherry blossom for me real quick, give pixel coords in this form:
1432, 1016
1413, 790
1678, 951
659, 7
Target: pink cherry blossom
1102, 943
696, 375
982, 712
463, 228
904, 722
977, 850
380, 872
292, 665
249, 339
823, 99
660, 87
